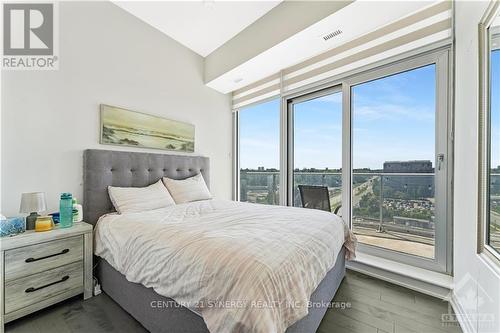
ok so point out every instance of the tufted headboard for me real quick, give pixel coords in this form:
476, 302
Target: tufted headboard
103, 168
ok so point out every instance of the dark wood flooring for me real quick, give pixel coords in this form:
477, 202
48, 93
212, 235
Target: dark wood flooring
363, 305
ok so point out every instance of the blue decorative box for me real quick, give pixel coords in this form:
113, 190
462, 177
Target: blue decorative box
12, 226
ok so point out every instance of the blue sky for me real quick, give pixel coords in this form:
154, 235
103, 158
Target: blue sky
259, 135
495, 108
393, 119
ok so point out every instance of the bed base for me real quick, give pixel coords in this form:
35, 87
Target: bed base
147, 307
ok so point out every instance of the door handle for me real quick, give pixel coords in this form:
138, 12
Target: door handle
440, 159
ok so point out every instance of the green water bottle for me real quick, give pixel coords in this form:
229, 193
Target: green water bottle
66, 210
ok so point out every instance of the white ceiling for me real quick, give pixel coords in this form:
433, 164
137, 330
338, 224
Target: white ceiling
354, 20
202, 26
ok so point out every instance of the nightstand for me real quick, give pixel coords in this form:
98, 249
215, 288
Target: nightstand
38, 269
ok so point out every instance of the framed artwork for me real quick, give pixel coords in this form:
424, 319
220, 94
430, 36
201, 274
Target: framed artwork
130, 128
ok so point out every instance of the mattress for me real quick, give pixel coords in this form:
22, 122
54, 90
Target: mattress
147, 307
242, 267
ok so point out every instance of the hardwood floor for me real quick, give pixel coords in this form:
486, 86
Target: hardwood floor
370, 306
380, 307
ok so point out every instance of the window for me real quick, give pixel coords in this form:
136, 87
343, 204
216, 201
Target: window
317, 143
489, 133
378, 141
394, 123
399, 151
259, 153
493, 227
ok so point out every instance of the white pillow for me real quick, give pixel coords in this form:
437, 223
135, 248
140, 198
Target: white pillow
139, 199
189, 189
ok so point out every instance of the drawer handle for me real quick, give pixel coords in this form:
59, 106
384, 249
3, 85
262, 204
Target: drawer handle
32, 289
49, 256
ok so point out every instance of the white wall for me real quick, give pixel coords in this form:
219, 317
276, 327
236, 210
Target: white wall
477, 282
106, 56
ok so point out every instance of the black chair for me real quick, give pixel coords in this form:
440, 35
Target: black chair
316, 197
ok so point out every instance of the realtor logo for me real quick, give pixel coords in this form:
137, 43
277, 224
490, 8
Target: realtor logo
29, 39
469, 297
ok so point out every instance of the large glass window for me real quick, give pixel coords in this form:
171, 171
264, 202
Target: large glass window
394, 122
372, 148
489, 134
493, 227
317, 144
259, 153
399, 152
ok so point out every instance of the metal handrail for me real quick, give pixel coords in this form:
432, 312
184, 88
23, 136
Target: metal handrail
340, 173
394, 173
379, 174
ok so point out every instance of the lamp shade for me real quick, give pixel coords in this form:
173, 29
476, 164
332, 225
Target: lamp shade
33, 202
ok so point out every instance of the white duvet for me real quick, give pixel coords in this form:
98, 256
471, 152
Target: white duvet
243, 267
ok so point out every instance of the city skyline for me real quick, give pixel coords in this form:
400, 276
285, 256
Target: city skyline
410, 164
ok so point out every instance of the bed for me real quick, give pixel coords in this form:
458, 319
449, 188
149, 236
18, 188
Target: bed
125, 276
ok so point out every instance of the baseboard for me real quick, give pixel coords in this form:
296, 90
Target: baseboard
466, 325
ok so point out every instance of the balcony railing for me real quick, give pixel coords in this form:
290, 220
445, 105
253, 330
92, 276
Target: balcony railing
494, 206
395, 211
259, 187
390, 206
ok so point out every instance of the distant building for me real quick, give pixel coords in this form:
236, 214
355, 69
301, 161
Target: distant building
422, 166
260, 169
413, 223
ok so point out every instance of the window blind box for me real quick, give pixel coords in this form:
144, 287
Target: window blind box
424, 27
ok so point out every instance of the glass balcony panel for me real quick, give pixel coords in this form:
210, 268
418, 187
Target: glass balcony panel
259, 187
494, 220
333, 180
395, 212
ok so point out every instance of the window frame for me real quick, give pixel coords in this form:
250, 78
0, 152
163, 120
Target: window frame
484, 131
290, 126
443, 233
236, 193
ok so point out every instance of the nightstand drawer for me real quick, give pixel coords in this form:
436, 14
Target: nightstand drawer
35, 288
37, 258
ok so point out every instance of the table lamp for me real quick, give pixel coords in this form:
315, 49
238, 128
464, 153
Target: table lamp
32, 203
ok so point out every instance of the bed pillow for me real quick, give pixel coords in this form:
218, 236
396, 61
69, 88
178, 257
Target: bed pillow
139, 199
189, 189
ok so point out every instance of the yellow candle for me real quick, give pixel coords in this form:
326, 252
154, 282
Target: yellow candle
44, 223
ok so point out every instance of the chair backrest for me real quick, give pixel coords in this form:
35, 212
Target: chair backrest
315, 197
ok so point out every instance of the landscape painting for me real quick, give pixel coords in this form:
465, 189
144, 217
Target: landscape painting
129, 128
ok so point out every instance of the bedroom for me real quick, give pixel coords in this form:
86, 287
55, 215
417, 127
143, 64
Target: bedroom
210, 125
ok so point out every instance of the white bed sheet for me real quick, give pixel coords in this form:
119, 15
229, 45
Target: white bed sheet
243, 267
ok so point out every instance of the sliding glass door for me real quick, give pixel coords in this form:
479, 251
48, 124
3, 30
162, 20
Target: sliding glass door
399, 161
393, 161
316, 136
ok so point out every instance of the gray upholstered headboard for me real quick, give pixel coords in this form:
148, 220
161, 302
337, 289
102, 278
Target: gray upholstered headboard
103, 168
